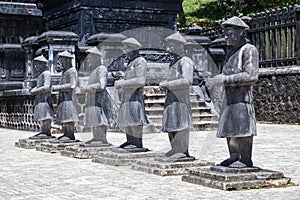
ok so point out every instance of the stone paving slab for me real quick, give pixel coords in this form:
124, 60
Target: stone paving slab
48, 147
75, 151
122, 159
226, 180
30, 174
168, 169
29, 143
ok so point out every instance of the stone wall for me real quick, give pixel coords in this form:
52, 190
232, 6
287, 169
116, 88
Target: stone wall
16, 112
277, 95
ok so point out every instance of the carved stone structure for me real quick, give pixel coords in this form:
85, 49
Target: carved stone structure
87, 18
12, 67
19, 20
53, 42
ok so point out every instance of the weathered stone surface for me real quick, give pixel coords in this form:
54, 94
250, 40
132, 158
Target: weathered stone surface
222, 184
18, 21
54, 147
168, 169
30, 144
83, 152
215, 178
90, 17
276, 95
234, 170
170, 159
282, 182
121, 159
134, 150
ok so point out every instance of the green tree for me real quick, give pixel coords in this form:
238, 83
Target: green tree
205, 12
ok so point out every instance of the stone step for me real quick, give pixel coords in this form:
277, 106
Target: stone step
196, 118
161, 96
161, 102
232, 178
197, 126
222, 184
159, 111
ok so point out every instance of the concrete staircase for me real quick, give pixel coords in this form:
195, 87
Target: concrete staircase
203, 119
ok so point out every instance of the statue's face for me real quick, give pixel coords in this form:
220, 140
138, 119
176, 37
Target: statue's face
128, 49
174, 47
93, 60
64, 62
233, 35
39, 66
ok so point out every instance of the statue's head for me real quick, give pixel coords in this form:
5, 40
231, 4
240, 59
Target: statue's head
40, 63
65, 59
175, 43
130, 46
234, 29
94, 57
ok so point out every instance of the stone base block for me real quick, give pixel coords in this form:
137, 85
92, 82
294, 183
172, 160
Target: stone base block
168, 168
83, 152
54, 147
122, 159
29, 143
230, 181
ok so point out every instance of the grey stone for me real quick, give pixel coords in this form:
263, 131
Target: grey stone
83, 152
232, 178
121, 159
129, 150
53, 147
237, 121
234, 170
153, 166
30, 144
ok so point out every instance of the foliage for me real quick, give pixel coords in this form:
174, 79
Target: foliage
205, 12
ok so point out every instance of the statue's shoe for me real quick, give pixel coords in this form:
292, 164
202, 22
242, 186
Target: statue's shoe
41, 136
64, 139
177, 157
238, 164
94, 143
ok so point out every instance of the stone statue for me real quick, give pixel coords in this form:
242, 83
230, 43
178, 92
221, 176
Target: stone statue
43, 109
95, 115
132, 109
177, 116
237, 122
66, 114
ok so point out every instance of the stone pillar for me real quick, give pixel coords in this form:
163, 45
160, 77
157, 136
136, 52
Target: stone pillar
30, 46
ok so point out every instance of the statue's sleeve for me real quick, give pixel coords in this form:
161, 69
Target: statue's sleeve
72, 76
139, 78
186, 77
102, 81
249, 73
46, 85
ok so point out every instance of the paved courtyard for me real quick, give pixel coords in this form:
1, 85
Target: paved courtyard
29, 174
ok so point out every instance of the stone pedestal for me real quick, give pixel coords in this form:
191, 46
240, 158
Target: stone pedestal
168, 168
226, 178
119, 158
29, 143
54, 147
77, 151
